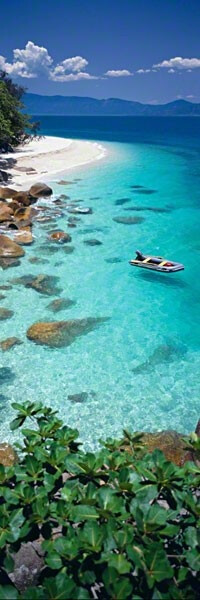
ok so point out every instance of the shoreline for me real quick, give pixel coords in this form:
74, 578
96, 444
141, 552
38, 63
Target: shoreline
51, 156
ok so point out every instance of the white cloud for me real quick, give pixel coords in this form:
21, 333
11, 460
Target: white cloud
28, 62
140, 71
34, 60
171, 71
179, 63
190, 96
118, 73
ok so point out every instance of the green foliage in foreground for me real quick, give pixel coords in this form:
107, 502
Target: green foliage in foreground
120, 523
13, 123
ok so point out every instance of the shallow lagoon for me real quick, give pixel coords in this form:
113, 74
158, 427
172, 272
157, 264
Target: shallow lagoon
140, 369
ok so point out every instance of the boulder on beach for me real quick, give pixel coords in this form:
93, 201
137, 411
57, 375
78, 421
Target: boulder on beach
6, 213
58, 334
7, 193
8, 456
9, 343
25, 213
24, 236
40, 190
61, 237
60, 304
128, 220
23, 198
9, 249
5, 313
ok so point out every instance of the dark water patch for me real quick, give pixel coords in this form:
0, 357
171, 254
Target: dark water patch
6, 287
151, 208
48, 249
115, 259
75, 220
167, 279
2, 296
6, 375
3, 401
122, 201
164, 353
144, 191
128, 220
95, 198
92, 242
88, 229
60, 304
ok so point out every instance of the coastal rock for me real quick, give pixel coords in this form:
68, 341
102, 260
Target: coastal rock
25, 213
24, 237
23, 198
37, 260
63, 182
40, 190
128, 220
63, 197
61, 237
92, 242
80, 210
7, 193
6, 213
9, 249
4, 176
5, 313
170, 442
58, 334
25, 169
9, 343
60, 304
8, 456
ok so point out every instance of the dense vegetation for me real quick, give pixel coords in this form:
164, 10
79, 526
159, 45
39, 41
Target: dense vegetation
118, 523
15, 127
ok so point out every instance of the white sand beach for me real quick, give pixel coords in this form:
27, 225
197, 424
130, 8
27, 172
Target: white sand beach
50, 156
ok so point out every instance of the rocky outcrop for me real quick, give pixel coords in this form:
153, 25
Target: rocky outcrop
61, 237
9, 343
8, 456
7, 193
40, 190
9, 249
6, 213
24, 236
62, 333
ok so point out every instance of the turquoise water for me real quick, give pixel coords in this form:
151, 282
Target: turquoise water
140, 369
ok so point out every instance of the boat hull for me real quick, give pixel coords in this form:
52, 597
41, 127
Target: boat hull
153, 267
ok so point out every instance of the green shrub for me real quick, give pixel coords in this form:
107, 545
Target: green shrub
118, 524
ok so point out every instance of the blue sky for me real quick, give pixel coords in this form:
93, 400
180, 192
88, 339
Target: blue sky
144, 50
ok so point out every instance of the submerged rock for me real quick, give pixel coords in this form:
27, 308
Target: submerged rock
170, 442
8, 456
9, 343
137, 187
162, 354
2, 297
7, 263
81, 397
60, 304
6, 287
5, 313
62, 333
128, 220
37, 260
92, 242
9, 249
151, 208
115, 259
6, 375
145, 191
61, 237
24, 237
80, 210
122, 201
68, 249
44, 284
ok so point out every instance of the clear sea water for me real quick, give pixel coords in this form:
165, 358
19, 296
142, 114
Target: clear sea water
154, 319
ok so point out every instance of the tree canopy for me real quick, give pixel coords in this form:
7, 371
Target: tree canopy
15, 126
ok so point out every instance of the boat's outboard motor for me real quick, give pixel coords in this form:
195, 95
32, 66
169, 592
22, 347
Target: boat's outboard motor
139, 255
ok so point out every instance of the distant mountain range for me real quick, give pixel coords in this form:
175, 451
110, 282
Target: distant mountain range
83, 106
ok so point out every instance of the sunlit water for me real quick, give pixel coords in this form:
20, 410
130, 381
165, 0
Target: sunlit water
154, 318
